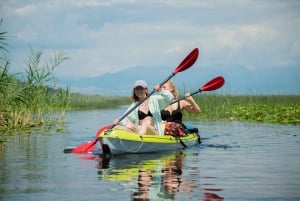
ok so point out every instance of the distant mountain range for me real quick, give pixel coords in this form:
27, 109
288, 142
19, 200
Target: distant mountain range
238, 80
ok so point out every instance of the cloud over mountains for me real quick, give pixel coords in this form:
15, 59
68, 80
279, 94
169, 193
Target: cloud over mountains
238, 80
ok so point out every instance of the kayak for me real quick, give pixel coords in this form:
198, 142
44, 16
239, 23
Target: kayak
117, 141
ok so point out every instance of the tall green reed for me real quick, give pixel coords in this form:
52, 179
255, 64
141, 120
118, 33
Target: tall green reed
27, 99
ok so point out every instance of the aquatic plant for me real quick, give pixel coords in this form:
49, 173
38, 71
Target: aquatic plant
82, 101
284, 109
29, 99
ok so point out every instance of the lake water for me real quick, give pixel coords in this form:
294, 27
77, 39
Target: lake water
236, 161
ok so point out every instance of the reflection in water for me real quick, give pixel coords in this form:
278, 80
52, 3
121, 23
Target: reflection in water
212, 197
155, 177
238, 161
170, 179
23, 160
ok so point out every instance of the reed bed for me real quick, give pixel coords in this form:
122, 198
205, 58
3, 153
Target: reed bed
81, 102
284, 109
26, 100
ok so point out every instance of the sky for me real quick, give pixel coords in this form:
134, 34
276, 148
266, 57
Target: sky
108, 36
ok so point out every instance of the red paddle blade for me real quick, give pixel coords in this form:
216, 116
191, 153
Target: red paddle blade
101, 130
89, 146
85, 148
188, 61
213, 84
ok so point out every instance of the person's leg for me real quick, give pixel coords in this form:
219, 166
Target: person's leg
147, 127
130, 127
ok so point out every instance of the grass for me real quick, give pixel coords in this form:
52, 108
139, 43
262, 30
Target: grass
283, 109
81, 102
26, 100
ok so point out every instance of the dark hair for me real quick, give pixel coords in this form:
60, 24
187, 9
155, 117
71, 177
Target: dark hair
134, 98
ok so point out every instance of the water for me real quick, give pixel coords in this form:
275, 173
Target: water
236, 161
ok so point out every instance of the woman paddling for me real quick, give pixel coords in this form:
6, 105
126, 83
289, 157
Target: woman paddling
146, 119
173, 113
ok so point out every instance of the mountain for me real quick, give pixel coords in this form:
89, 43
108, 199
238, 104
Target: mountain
238, 80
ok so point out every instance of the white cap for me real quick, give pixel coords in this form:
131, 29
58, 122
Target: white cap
141, 83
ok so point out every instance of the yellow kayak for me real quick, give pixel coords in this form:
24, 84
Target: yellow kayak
117, 141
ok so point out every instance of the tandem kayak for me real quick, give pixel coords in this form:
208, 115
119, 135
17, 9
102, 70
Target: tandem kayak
116, 141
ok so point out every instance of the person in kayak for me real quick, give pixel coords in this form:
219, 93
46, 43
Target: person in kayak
146, 118
172, 114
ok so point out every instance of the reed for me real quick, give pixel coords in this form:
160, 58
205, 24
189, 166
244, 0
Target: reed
26, 100
283, 109
80, 101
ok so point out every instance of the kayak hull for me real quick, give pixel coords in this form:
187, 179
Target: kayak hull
120, 141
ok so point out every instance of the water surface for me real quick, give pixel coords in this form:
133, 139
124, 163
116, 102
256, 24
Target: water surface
236, 161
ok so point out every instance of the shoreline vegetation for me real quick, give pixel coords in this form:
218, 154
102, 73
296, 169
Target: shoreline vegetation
31, 100
281, 109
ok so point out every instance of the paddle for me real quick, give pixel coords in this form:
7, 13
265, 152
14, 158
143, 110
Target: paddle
189, 60
88, 147
185, 64
213, 84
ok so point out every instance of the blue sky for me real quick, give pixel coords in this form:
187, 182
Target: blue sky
107, 36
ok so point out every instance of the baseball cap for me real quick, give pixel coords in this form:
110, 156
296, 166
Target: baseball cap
141, 83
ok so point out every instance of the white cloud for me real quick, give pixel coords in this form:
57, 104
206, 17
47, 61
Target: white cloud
109, 35
26, 10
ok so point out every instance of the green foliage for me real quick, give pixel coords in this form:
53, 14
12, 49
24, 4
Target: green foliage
284, 109
25, 99
268, 113
3, 44
80, 101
